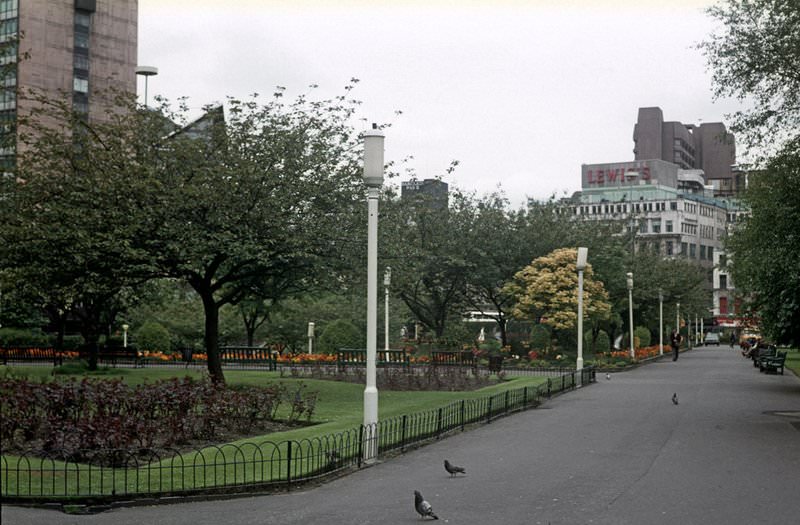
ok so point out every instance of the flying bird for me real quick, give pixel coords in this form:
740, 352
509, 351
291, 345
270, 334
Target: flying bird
423, 507
452, 469
675, 398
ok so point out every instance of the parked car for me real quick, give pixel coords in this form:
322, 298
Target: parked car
712, 338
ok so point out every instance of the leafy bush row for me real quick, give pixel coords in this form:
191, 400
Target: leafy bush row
70, 415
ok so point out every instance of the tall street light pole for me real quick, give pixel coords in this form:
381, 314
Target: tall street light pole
678, 317
387, 281
373, 178
630, 311
660, 322
146, 72
580, 265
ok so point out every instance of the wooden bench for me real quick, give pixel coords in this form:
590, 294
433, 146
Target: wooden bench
772, 363
31, 354
762, 351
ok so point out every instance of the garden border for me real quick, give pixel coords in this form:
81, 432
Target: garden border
248, 468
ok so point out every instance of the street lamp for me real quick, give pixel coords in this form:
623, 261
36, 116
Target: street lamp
125, 335
678, 318
580, 265
660, 322
146, 72
387, 280
630, 310
373, 178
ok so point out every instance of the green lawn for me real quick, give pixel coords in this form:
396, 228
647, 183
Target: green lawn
793, 360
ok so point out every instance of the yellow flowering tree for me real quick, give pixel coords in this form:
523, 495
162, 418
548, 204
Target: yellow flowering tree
547, 290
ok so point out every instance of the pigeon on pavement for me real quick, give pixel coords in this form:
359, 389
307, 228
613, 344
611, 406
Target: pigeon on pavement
423, 507
675, 398
608, 376
452, 469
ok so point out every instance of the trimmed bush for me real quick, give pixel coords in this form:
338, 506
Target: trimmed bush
340, 334
641, 336
152, 336
603, 343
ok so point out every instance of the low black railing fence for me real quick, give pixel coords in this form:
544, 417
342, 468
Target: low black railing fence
109, 475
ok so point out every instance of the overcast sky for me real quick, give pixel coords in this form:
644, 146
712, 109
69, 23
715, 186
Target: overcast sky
521, 93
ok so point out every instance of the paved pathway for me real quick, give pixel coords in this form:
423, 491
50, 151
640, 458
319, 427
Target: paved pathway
618, 452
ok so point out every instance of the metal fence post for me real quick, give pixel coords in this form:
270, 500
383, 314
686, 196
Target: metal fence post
360, 444
489, 411
549, 387
403, 433
288, 463
439, 423
506, 401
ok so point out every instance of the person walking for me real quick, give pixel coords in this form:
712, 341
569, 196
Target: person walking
733, 339
675, 342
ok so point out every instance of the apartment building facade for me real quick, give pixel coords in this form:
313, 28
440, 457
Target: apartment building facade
77, 49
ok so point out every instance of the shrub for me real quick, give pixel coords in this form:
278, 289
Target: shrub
603, 342
340, 334
153, 336
641, 336
540, 338
23, 337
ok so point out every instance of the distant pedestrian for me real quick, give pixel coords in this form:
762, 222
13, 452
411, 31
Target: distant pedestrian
733, 339
675, 342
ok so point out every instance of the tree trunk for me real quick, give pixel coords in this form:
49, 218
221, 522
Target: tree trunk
211, 336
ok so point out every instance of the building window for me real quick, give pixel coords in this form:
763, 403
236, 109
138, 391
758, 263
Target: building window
692, 251
81, 41
668, 227
683, 248
656, 226
702, 251
723, 306
723, 282
710, 253
668, 246
723, 260
81, 85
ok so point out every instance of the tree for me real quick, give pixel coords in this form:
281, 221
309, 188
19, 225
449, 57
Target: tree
224, 204
547, 291
500, 243
753, 57
766, 247
424, 244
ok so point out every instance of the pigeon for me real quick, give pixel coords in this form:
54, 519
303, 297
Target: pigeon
608, 376
423, 507
452, 469
675, 398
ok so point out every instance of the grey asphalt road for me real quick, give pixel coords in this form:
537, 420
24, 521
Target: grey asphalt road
618, 452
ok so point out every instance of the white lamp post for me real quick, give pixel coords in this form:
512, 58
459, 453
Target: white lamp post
580, 266
373, 178
678, 318
146, 72
660, 322
311, 337
387, 281
630, 311
125, 336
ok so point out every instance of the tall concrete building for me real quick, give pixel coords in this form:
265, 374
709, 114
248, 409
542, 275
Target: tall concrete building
80, 48
708, 147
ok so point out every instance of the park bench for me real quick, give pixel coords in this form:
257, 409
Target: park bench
112, 354
772, 363
246, 355
31, 354
355, 357
453, 358
761, 351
